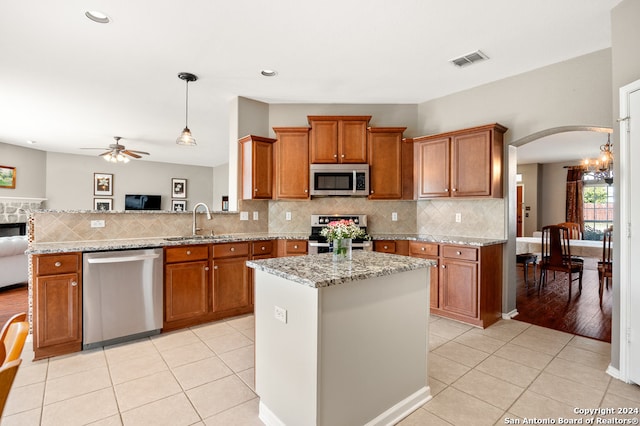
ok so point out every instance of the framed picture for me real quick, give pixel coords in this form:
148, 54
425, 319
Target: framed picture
7, 177
103, 204
179, 205
178, 188
102, 184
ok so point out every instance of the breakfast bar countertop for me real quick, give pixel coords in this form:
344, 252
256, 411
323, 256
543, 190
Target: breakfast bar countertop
319, 270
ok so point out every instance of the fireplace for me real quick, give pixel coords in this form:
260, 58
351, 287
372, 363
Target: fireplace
11, 229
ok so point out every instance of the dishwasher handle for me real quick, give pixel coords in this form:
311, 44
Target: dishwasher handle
123, 258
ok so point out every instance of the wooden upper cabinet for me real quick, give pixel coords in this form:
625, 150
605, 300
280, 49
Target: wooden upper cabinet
386, 163
338, 139
465, 163
291, 153
257, 167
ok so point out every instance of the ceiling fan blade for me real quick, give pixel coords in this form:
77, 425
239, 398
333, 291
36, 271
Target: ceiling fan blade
131, 154
95, 148
138, 152
104, 153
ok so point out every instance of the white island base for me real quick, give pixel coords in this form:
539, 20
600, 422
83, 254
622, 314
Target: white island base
349, 354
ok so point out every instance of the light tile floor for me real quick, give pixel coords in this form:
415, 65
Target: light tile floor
204, 376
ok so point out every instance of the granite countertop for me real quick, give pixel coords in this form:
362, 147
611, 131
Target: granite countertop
319, 270
442, 239
140, 243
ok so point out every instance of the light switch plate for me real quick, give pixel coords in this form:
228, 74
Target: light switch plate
394, 216
287, 215
255, 215
244, 215
97, 223
280, 314
458, 217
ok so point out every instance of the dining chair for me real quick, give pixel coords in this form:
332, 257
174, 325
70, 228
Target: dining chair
575, 230
13, 335
605, 266
556, 256
7, 375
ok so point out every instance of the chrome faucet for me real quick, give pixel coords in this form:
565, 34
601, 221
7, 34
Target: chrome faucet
195, 230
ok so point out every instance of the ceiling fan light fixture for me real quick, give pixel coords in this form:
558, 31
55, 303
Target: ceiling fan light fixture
186, 138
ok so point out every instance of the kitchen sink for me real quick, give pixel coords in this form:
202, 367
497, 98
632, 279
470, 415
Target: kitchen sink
192, 238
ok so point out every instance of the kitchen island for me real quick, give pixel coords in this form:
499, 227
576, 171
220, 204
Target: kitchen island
341, 343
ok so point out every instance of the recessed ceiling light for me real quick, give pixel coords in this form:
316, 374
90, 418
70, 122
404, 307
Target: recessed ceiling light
98, 17
268, 73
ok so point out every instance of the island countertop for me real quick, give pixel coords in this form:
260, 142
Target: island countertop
319, 270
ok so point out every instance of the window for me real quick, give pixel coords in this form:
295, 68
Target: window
597, 208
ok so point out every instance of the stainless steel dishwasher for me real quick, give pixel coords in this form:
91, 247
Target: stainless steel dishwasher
121, 296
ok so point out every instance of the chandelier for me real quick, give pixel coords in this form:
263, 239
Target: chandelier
602, 167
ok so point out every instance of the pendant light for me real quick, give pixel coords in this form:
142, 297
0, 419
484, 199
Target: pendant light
185, 137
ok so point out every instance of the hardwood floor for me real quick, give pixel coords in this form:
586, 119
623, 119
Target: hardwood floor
582, 315
13, 300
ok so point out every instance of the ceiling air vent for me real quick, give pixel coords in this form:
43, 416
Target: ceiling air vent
469, 58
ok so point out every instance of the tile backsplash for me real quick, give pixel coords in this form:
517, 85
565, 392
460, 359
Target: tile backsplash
479, 218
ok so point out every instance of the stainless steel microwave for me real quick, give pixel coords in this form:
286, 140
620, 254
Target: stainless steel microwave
339, 179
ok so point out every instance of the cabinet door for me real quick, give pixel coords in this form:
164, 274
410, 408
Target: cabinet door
230, 284
185, 290
471, 174
433, 164
257, 167
292, 163
459, 281
352, 141
58, 310
324, 142
385, 164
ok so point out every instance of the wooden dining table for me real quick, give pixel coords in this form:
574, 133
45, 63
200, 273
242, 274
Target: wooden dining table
582, 248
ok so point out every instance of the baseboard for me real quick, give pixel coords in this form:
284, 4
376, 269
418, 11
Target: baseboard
267, 416
403, 408
510, 315
613, 372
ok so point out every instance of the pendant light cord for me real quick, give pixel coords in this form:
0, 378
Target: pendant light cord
186, 108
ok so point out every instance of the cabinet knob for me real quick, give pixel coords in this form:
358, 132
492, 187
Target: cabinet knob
335, 155
295, 246
232, 249
386, 247
446, 190
306, 190
215, 267
74, 283
372, 191
188, 252
454, 190
206, 268
458, 253
444, 266
255, 190
57, 264
422, 248
263, 248
342, 155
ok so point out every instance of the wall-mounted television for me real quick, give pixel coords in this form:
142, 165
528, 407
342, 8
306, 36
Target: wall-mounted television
142, 202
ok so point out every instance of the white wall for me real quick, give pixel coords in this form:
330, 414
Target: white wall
30, 167
69, 181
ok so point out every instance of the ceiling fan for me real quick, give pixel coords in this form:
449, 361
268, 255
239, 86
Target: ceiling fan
118, 153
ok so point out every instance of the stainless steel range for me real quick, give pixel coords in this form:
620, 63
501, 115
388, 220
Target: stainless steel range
319, 244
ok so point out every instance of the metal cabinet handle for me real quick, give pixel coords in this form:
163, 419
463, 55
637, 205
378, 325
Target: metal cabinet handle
188, 252
57, 264
74, 283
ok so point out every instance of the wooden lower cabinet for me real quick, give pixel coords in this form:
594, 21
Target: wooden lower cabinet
186, 286
260, 250
230, 284
392, 246
292, 247
57, 304
467, 285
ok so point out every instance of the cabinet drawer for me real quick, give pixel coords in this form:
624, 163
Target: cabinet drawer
457, 252
186, 253
259, 248
295, 247
230, 250
417, 248
57, 264
384, 246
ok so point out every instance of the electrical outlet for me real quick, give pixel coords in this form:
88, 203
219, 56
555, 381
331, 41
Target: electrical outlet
287, 215
97, 223
255, 215
394, 216
244, 215
458, 217
280, 314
